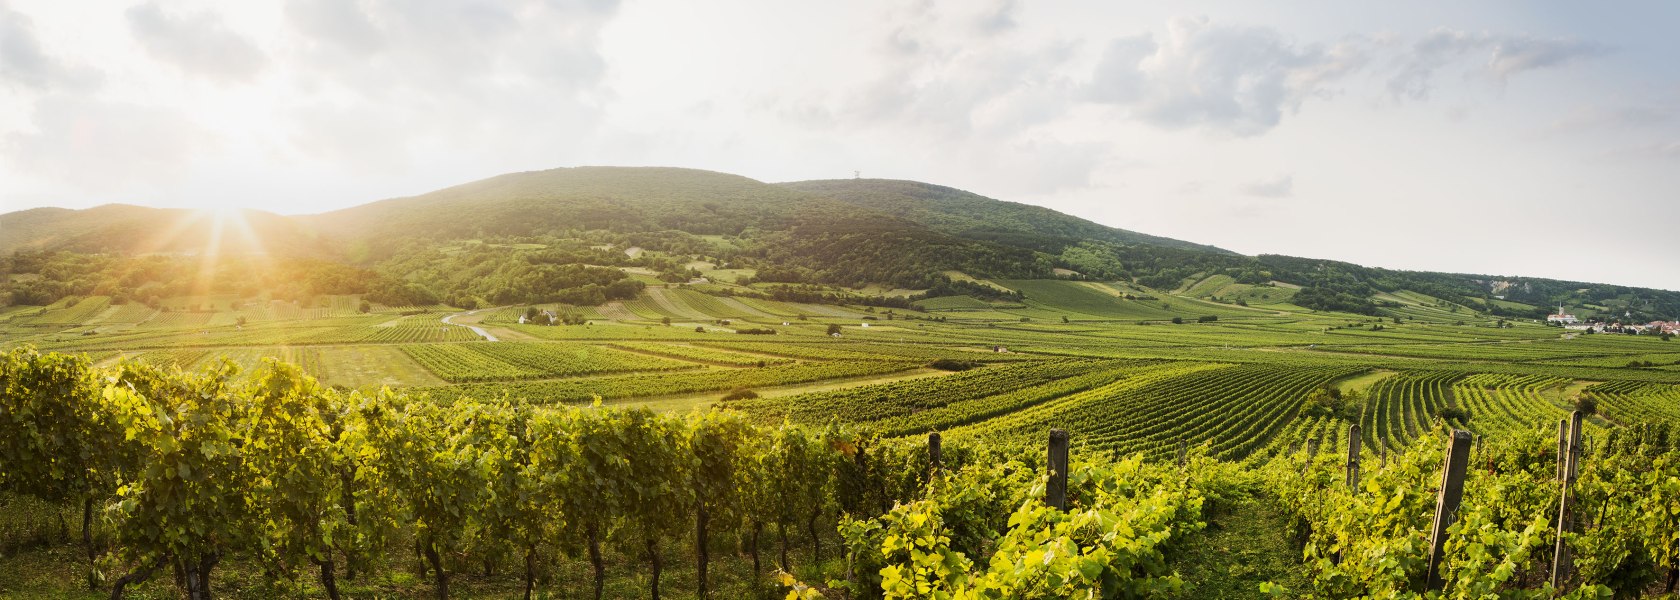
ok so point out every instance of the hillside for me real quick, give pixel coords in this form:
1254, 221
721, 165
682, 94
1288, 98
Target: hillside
969, 215
548, 236
582, 198
129, 229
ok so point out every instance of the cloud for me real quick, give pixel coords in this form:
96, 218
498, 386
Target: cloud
1282, 186
104, 147
998, 18
945, 71
519, 79
449, 48
1655, 150
1506, 55
199, 44
25, 63
1237, 79
1595, 118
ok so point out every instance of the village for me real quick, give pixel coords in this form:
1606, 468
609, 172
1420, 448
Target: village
1598, 325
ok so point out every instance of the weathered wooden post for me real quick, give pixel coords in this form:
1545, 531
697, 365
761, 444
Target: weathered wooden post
1353, 457
1183, 448
1562, 448
1562, 562
935, 453
1446, 503
1312, 452
1055, 493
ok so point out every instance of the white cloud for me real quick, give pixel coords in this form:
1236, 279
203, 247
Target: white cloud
199, 43
1505, 56
1241, 80
1282, 186
99, 148
24, 62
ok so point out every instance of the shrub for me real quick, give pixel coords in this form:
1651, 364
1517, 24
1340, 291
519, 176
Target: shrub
951, 364
740, 394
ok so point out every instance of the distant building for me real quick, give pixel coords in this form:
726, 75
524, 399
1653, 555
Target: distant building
1562, 317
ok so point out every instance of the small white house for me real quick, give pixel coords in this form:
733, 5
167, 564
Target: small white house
865, 325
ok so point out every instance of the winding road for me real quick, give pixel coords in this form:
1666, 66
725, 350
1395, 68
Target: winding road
476, 329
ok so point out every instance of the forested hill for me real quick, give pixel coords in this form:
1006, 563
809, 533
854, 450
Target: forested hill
582, 198
550, 235
972, 216
790, 236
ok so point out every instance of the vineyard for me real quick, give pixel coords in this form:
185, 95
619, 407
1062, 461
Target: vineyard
290, 488
436, 435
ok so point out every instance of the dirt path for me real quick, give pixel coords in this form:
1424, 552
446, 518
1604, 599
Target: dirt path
449, 320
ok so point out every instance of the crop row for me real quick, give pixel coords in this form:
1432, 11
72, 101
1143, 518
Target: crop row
1502, 405
703, 354
462, 363
1402, 407
639, 385
1628, 402
891, 401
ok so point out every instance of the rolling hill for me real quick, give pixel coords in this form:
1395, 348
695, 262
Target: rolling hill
822, 235
129, 229
969, 215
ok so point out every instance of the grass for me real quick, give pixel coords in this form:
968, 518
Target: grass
1246, 542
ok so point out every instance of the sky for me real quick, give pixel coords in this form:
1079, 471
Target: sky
1500, 137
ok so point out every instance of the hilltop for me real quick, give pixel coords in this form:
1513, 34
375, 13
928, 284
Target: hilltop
969, 215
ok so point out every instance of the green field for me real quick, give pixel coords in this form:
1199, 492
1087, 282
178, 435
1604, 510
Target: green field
1236, 383
626, 350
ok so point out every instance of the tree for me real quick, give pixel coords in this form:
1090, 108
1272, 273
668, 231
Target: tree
364, 307
1178, 320
666, 321
833, 329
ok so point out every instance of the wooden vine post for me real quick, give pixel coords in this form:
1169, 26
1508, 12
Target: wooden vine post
1562, 448
1353, 457
935, 453
1055, 492
1570, 453
1183, 448
1447, 501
